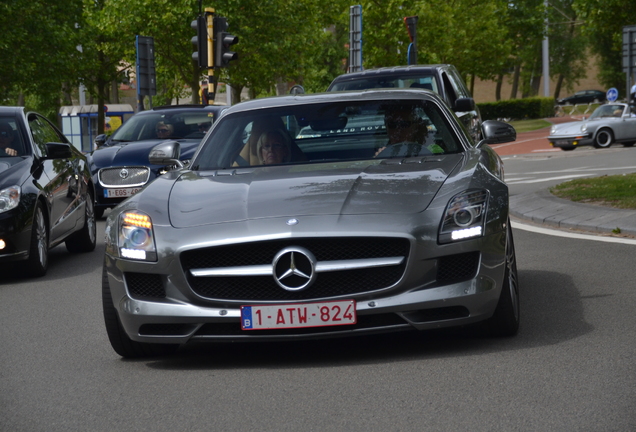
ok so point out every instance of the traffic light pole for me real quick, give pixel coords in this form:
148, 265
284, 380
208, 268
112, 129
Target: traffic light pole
209, 16
213, 48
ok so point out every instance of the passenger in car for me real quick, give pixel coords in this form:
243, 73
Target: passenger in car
274, 147
6, 140
405, 125
164, 129
249, 154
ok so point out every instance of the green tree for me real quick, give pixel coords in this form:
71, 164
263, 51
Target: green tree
38, 48
604, 22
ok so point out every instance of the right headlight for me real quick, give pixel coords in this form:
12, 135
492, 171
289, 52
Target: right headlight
136, 239
9, 198
464, 217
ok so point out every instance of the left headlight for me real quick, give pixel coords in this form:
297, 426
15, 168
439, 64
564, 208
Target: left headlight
553, 130
136, 239
9, 198
464, 217
584, 127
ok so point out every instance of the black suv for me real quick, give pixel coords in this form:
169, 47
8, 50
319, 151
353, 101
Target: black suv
443, 79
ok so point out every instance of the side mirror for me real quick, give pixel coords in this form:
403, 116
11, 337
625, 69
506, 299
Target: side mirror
497, 132
100, 140
464, 104
58, 151
166, 153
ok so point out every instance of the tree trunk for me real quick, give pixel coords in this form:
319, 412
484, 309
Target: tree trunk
498, 89
557, 89
515, 82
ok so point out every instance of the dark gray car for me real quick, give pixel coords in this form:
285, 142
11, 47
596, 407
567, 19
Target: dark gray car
443, 79
380, 216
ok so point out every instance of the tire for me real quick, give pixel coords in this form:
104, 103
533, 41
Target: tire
99, 212
38, 262
568, 148
604, 138
629, 144
505, 320
85, 239
119, 340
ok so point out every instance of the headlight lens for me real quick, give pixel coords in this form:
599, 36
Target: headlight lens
464, 217
553, 130
584, 127
9, 198
136, 238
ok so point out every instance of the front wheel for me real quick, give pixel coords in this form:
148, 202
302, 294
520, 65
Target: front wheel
119, 340
604, 138
629, 144
38, 261
568, 148
505, 320
85, 239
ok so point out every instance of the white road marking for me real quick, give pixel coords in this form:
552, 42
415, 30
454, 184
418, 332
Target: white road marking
558, 233
546, 179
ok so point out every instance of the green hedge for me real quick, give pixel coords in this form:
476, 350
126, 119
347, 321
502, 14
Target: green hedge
518, 109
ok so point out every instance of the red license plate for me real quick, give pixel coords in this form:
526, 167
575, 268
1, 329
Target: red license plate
299, 315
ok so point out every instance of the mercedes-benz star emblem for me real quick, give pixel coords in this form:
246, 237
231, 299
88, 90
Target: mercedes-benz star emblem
123, 173
294, 268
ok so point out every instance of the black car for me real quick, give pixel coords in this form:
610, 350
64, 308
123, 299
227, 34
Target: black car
443, 79
46, 192
584, 96
120, 166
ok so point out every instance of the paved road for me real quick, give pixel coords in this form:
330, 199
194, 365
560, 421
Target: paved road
571, 367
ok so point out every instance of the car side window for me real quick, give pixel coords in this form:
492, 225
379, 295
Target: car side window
43, 133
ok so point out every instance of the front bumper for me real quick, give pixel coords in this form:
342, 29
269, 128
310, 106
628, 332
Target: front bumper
570, 141
180, 316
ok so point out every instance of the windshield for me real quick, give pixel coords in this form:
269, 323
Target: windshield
613, 110
190, 124
328, 132
405, 81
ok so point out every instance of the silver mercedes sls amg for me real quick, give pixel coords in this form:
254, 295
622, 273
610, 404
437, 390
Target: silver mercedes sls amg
315, 216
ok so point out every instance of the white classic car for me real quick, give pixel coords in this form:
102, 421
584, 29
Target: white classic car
608, 124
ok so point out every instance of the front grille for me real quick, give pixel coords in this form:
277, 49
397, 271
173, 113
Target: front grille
457, 268
264, 288
145, 285
124, 176
364, 322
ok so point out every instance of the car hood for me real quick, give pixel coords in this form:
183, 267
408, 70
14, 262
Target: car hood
570, 128
574, 128
361, 187
136, 153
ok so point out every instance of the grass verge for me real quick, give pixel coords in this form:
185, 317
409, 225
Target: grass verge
529, 125
616, 191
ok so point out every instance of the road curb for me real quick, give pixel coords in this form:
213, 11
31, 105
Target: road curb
545, 209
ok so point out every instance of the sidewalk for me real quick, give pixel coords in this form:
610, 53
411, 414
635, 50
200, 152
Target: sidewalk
545, 209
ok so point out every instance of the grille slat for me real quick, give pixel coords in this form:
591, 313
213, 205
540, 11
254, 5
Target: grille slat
264, 288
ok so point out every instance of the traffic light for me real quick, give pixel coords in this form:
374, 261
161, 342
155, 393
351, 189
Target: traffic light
200, 41
223, 41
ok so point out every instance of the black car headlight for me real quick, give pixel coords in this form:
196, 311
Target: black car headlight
136, 239
9, 198
464, 216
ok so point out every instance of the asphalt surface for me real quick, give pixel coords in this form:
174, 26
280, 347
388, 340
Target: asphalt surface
543, 208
